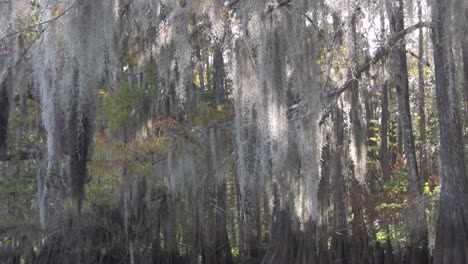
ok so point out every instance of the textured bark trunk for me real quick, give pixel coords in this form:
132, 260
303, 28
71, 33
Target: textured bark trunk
290, 245
239, 215
379, 257
465, 61
80, 136
222, 243
209, 226
371, 104
393, 135
80, 143
418, 238
216, 248
424, 174
283, 246
209, 203
451, 245
218, 74
197, 237
339, 237
4, 113
389, 257
266, 219
384, 154
324, 206
359, 155
358, 137
359, 246
252, 237
169, 229
156, 243
233, 217
200, 94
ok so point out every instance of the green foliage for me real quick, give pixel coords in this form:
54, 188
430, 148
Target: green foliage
121, 105
17, 186
398, 183
431, 191
394, 232
235, 252
390, 206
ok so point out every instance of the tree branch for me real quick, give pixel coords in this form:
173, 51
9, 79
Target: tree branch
417, 57
311, 21
29, 28
381, 53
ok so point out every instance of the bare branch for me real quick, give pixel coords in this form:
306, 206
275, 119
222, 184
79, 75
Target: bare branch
425, 62
32, 27
312, 22
381, 53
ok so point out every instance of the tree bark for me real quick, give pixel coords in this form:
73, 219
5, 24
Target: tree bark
252, 236
339, 236
4, 114
217, 245
283, 246
222, 244
422, 103
451, 245
289, 244
324, 204
357, 129
218, 74
384, 155
418, 240
465, 58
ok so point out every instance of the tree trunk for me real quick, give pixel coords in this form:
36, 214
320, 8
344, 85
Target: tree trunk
418, 240
252, 236
218, 74
239, 214
422, 103
222, 247
156, 243
289, 244
358, 137
324, 205
217, 247
282, 248
451, 245
465, 58
384, 155
359, 246
339, 236
222, 244
371, 104
4, 114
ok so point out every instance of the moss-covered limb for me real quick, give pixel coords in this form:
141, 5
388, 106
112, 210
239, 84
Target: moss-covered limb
381, 53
